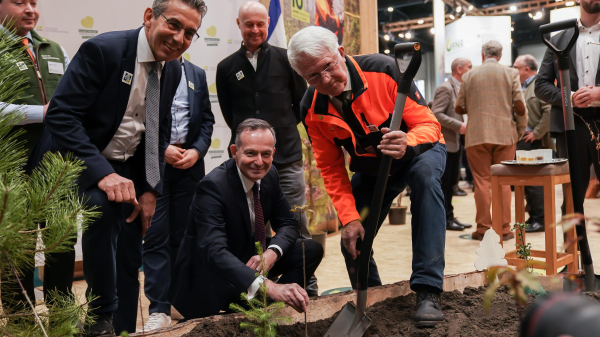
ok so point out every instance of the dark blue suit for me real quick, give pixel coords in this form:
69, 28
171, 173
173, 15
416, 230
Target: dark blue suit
211, 270
84, 114
162, 240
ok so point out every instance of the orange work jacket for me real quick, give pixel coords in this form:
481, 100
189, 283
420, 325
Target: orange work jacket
374, 81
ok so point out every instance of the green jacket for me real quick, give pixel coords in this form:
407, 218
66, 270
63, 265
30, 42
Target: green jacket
41, 83
539, 116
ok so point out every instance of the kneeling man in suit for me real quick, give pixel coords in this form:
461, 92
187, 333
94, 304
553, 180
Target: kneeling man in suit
217, 260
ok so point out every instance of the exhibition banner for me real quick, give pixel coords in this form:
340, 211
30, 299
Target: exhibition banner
466, 36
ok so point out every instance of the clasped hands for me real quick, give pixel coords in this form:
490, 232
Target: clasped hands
586, 95
121, 190
181, 158
291, 294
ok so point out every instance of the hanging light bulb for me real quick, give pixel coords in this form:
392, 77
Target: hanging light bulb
452, 17
471, 7
390, 9
386, 37
420, 22
458, 9
401, 35
408, 35
432, 31
387, 51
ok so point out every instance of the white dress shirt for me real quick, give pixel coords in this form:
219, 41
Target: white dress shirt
180, 111
588, 55
130, 131
253, 58
248, 184
32, 113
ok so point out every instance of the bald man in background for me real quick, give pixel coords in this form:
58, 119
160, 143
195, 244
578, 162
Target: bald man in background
257, 81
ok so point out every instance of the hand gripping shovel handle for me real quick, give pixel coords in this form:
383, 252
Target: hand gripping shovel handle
572, 154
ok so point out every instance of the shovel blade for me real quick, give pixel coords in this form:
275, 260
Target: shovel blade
342, 325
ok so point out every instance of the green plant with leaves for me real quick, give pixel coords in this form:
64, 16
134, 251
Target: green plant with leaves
518, 281
262, 315
523, 249
40, 212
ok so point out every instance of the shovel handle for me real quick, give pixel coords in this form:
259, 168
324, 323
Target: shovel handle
404, 86
407, 77
561, 55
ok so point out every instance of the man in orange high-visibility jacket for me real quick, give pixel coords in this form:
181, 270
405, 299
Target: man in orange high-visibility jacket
349, 105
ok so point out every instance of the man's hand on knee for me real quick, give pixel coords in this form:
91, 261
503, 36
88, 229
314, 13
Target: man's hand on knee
145, 209
351, 232
291, 294
393, 143
118, 189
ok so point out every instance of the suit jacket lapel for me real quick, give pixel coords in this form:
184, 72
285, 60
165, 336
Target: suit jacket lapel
239, 194
127, 66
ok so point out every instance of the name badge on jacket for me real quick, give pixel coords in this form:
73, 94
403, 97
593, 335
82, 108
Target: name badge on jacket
56, 68
127, 78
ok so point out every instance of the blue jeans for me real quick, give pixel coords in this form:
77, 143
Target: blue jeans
423, 174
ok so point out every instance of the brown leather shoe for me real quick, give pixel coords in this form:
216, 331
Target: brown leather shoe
508, 236
476, 236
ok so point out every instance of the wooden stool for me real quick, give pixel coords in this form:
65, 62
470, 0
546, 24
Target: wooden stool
535, 175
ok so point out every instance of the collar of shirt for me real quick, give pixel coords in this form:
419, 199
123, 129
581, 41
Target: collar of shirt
246, 183
527, 82
455, 81
252, 55
144, 53
348, 82
490, 60
583, 28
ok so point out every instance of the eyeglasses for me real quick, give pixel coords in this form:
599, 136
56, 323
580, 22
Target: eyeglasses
316, 79
175, 27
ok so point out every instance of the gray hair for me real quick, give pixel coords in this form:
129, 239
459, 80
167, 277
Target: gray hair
311, 42
198, 5
492, 49
458, 62
252, 124
529, 61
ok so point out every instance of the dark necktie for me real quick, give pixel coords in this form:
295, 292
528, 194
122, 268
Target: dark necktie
151, 134
259, 220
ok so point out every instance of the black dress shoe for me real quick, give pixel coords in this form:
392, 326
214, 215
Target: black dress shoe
534, 227
101, 328
465, 225
429, 311
452, 226
457, 192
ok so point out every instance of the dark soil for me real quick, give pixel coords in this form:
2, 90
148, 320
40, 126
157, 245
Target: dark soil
393, 317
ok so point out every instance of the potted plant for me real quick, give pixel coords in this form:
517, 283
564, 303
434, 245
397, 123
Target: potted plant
397, 214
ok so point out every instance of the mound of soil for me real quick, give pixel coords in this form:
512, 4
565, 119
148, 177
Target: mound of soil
393, 317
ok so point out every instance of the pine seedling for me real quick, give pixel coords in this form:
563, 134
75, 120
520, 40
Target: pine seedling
263, 317
47, 198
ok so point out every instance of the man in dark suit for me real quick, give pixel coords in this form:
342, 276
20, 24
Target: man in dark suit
585, 82
191, 129
258, 82
112, 111
218, 260
453, 127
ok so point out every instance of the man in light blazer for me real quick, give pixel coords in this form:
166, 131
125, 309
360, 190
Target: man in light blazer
453, 126
491, 94
537, 136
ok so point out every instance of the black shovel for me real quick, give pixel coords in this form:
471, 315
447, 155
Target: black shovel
577, 185
352, 321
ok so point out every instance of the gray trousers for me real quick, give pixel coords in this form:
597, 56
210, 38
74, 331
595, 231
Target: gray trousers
291, 180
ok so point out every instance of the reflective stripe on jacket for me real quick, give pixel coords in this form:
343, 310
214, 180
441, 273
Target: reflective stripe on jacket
374, 88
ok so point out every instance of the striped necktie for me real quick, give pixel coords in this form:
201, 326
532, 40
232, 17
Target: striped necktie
259, 219
151, 134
